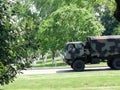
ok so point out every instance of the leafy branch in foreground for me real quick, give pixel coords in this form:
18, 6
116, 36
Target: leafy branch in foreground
17, 38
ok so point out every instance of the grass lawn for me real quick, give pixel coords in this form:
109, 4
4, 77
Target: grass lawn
87, 80
49, 64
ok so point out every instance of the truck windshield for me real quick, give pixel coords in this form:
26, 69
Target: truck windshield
79, 46
69, 47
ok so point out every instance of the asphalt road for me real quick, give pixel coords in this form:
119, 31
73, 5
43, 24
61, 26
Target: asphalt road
62, 70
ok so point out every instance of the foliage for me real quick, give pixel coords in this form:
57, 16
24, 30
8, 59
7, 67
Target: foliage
108, 21
17, 37
117, 30
7, 72
68, 23
46, 7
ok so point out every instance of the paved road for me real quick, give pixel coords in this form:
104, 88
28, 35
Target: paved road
61, 70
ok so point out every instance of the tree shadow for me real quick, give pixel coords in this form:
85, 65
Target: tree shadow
86, 70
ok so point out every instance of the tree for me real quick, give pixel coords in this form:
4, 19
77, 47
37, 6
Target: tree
109, 22
7, 72
46, 7
117, 30
103, 14
19, 26
68, 23
117, 11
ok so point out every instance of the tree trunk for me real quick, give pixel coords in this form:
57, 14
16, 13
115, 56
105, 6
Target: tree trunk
45, 59
117, 11
53, 58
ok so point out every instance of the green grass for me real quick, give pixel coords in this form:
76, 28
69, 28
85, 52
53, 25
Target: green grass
49, 64
87, 80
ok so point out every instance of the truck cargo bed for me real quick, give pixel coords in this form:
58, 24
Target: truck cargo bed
103, 46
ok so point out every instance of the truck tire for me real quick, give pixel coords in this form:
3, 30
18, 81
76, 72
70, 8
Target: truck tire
109, 63
116, 64
78, 65
71, 66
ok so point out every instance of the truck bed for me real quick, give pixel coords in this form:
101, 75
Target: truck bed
104, 46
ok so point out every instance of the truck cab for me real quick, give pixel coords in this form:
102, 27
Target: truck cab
73, 50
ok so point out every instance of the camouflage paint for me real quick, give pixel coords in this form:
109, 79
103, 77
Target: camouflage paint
100, 46
104, 46
77, 51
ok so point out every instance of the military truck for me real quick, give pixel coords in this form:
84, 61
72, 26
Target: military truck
95, 50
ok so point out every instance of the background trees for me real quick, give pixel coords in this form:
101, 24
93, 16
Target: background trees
68, 23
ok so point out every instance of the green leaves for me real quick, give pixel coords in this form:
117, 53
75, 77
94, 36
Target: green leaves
7, 74
2, 69
117, 30
18, 27
68, 23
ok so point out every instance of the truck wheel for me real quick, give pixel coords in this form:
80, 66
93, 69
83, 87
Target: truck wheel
109, 63
72, 66
116, 63
78, 65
